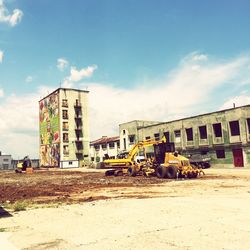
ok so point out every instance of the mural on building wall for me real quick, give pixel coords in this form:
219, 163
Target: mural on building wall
49, 130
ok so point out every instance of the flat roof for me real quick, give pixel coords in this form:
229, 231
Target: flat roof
185, 118
78, 90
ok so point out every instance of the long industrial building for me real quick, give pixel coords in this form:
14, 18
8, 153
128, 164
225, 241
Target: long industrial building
64, 128
224, 135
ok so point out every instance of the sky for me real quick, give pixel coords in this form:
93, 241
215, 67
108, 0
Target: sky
141, 60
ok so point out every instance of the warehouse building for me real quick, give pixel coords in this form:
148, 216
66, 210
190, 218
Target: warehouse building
5, 162
223, 136
64, 128
104, 146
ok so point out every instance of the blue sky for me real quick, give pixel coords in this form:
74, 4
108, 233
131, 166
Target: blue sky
129, 49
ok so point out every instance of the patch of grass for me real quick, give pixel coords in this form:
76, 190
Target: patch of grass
20, 206
2, 229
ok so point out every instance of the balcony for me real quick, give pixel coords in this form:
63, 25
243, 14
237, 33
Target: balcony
78, 116
79, 139
79, 151
78, 128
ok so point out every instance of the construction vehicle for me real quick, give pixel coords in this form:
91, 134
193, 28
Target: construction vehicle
24, 165
122, 164
165, 163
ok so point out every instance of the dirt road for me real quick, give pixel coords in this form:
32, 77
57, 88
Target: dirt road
207, 213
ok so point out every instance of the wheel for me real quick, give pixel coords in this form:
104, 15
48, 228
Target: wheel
191, 175
110, 172
161, 172
131, 172
118, 173
171, 172
195, 175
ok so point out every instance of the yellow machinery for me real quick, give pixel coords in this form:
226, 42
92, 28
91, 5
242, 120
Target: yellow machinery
166, 163
24, 165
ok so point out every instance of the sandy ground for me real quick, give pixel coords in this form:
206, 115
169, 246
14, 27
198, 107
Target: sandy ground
212, 212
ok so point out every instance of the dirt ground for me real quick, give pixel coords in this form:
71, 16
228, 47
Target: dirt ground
210, 212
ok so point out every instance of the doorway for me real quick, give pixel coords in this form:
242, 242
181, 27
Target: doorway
238, 157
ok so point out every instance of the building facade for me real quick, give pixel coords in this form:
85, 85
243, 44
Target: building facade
64, 128
104, 146
224, 135
6, 162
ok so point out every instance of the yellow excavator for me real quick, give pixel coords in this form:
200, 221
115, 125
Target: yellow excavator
165, 163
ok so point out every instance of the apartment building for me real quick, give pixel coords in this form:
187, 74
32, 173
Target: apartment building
223, 135
64, 128
104, 146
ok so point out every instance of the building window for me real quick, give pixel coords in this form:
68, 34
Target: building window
167, 136
220, 153
78, 104
234, 128
5, 159
111, 145
97, 147
124, 131
65, 126
157, 136
131, 139
104, 146
147, 137
65, 103
65, 114
189, 132
66, 150
248, 125
65, 137
118, 144
203, 132
217, 129
177, 134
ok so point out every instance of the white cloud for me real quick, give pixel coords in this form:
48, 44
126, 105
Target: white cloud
12, 19
29, 79
237, 101
62, 64
19, 123
199, 57
77, 75
183, 92
1, 56
1, 93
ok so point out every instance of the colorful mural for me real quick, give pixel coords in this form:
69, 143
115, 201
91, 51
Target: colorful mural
49, 130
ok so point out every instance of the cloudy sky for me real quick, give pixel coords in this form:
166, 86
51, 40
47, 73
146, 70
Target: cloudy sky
155, 60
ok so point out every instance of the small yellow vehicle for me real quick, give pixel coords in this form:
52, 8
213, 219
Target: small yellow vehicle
24, 165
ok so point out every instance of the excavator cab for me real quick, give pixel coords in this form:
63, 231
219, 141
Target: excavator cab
160, 150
